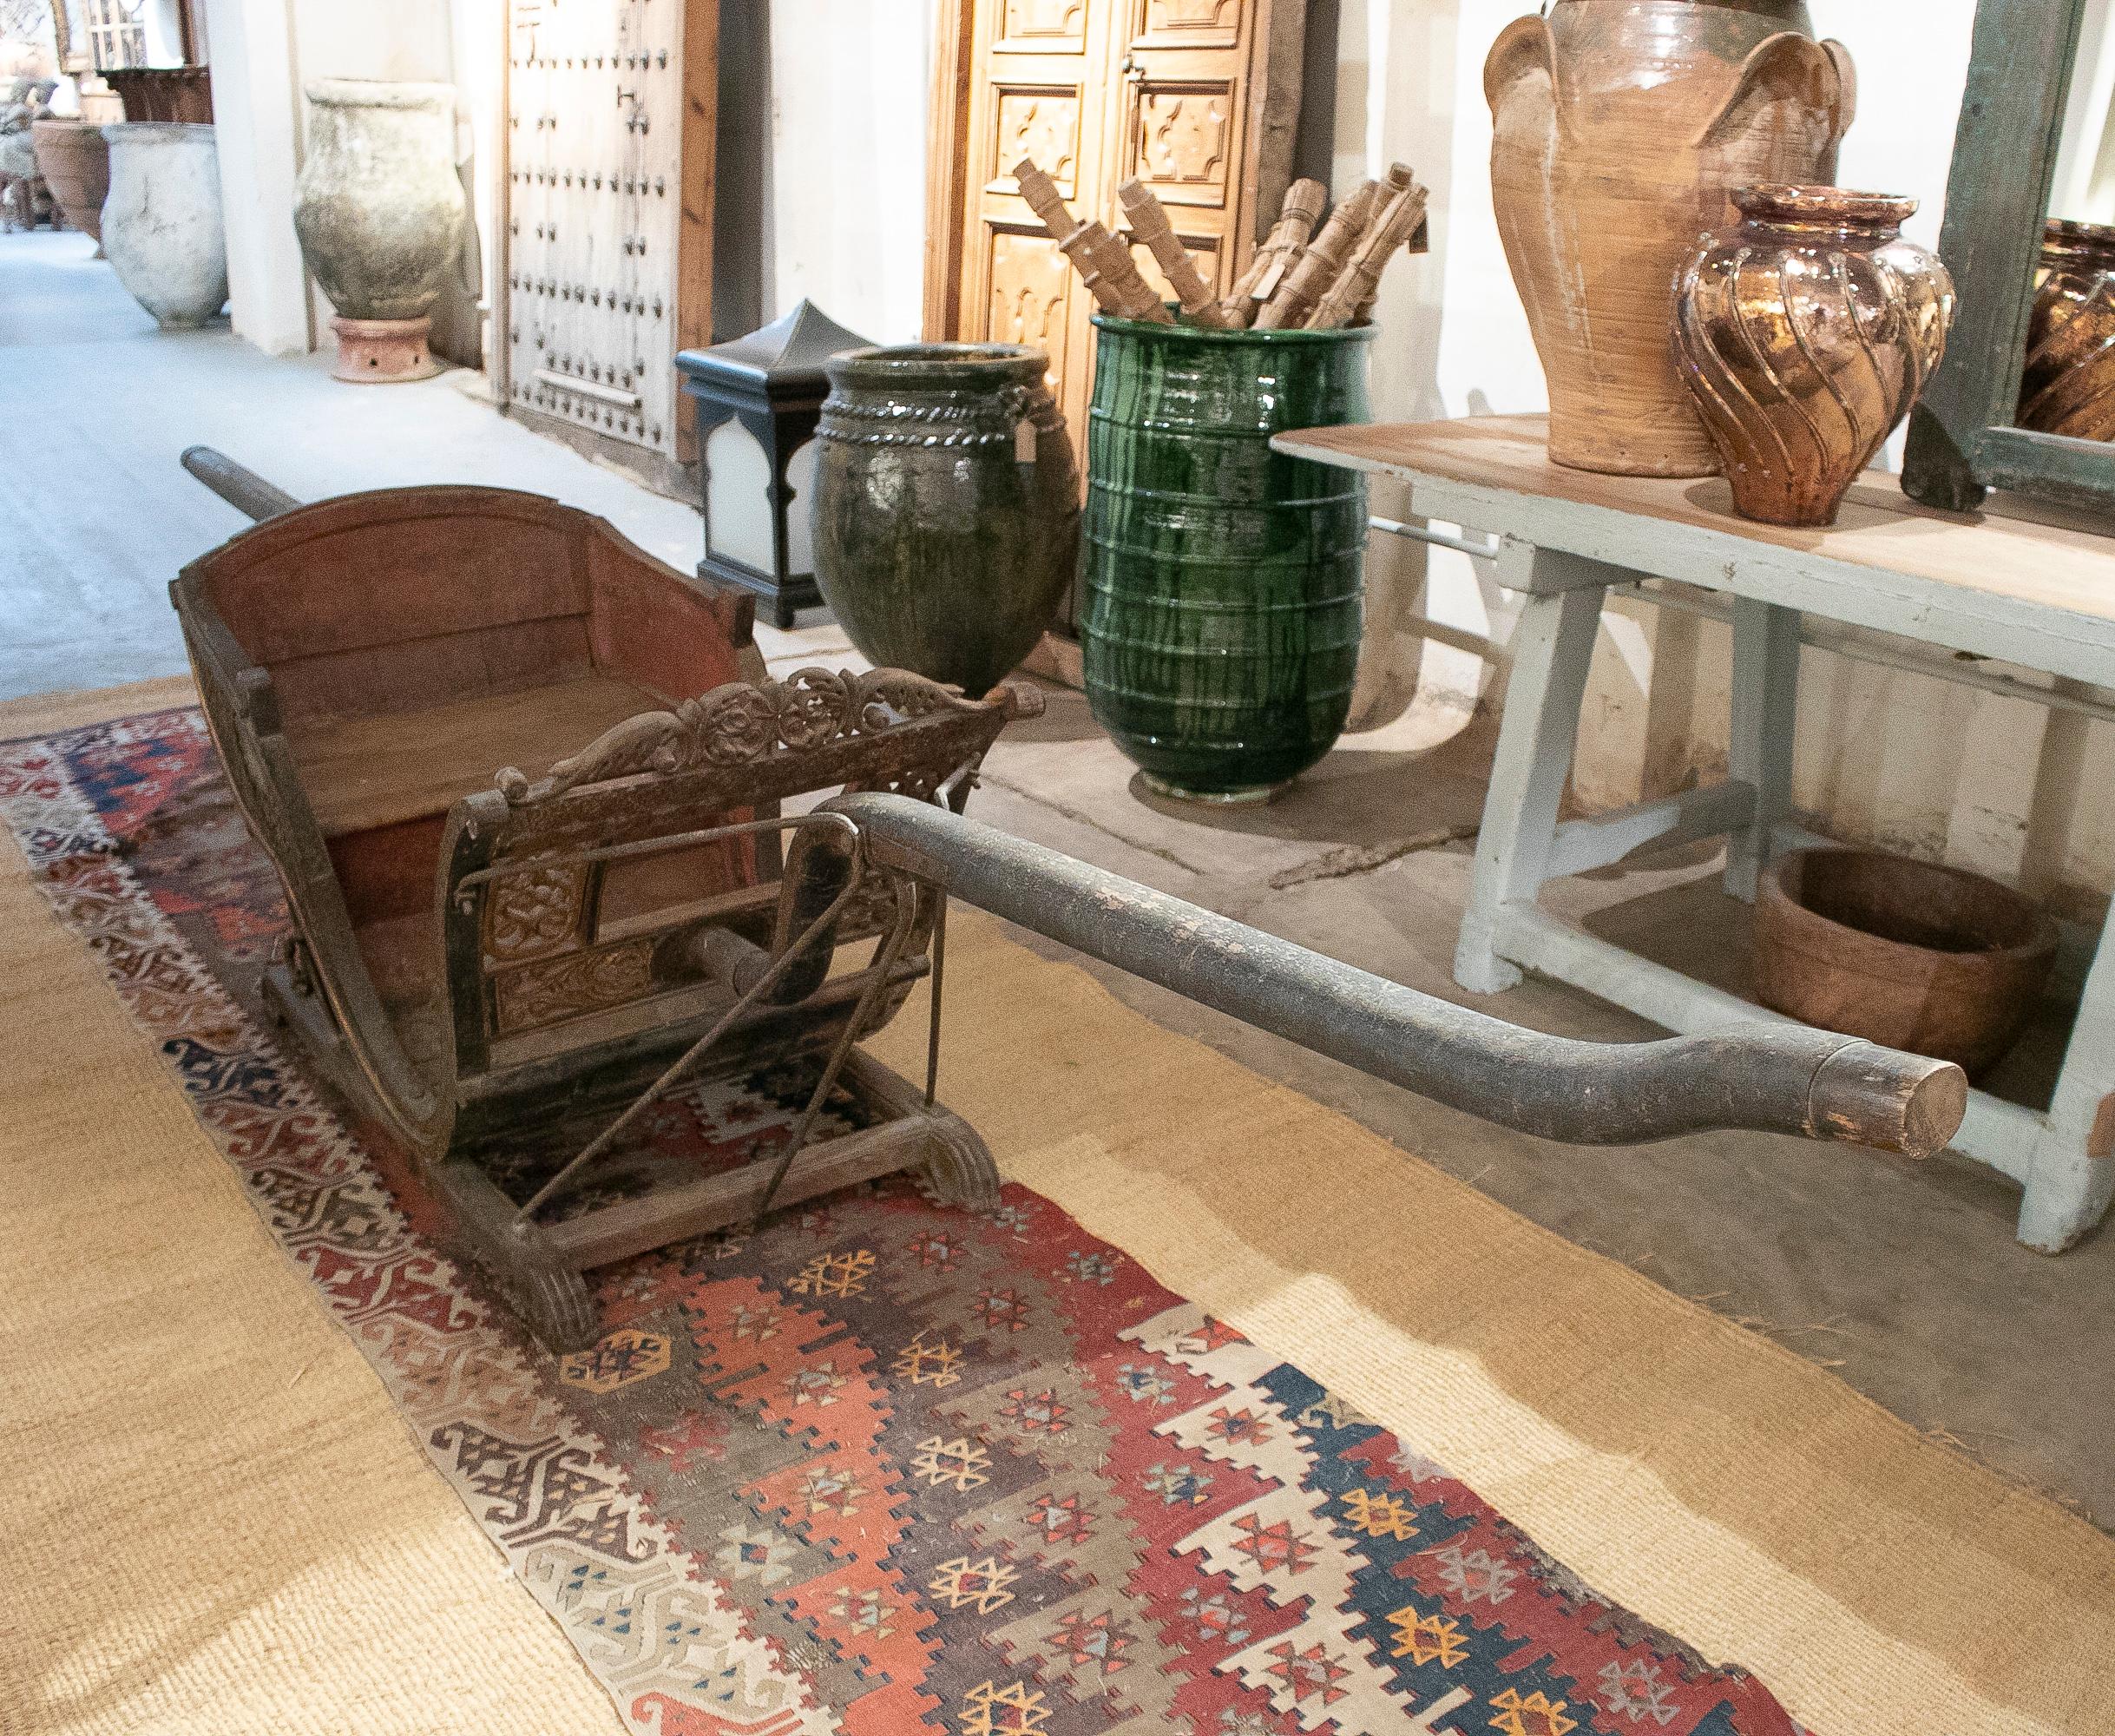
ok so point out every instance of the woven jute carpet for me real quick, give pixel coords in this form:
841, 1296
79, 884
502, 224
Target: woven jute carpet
1156, 1447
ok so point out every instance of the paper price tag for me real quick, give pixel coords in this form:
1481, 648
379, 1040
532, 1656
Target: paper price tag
1024, 441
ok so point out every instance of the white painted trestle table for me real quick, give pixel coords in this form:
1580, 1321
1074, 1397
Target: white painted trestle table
2035, 592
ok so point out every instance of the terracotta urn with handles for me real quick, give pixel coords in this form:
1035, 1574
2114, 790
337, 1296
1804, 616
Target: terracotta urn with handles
1619, 130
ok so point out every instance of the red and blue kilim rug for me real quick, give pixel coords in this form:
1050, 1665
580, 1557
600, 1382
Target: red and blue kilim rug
882, 1467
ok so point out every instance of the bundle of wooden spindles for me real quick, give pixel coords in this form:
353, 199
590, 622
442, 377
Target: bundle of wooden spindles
1301, 278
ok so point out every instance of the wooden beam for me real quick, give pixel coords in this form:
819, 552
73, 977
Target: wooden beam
946, 155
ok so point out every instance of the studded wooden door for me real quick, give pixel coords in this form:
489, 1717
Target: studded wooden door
603, 217
1197, 98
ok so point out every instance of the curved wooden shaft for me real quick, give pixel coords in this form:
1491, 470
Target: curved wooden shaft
1778, 1079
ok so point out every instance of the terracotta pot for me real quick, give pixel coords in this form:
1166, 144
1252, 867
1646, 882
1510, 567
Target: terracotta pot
1933, 960
379, 211
1620, 128
947, 506
2069, 386
73, 158
1804, 336
161, 225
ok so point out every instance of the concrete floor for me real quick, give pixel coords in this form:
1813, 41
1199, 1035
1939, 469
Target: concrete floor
1904, 1279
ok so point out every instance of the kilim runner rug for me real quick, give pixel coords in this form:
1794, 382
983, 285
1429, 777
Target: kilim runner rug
880, 1467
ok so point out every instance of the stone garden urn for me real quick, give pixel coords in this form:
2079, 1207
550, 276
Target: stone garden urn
162, 223
379, 211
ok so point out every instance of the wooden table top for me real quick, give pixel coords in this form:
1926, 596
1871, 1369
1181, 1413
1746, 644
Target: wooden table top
1494, 474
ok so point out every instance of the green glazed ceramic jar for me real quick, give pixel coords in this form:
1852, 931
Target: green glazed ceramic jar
1224, 590
947, 506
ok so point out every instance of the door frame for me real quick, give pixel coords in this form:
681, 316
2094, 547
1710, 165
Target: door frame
1274, 97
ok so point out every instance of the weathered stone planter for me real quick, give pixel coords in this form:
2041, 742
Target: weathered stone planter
380, 212
161, 225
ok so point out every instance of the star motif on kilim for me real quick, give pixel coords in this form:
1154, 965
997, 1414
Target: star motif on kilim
758, 1554
729, 1243
835, 1274
817, 1386
935, 1247
997, 1308
960, 1462
758, 1323
1215, 1616
1014, 1710
1416, 1467
1274, 1546
1178, 1485
1059, 1521
863, 1612
1635, 1691
1474, 1573
702, 1435
1093, 1641
1145, 1386
1032, 1409
938, 1364
1089, 1268
963, 1583
1211, 1336
1243, 1426
1379, 1516
619, 1360
1330, 1411
1311, 1675
826, 1490
1514, 1714
1013, 1219
1425, 1639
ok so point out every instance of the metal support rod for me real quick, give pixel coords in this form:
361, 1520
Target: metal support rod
1859, 649
240, 487
1479, 550
1780, 1079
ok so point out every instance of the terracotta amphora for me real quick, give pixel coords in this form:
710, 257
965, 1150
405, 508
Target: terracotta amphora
2069, 386
1620, 128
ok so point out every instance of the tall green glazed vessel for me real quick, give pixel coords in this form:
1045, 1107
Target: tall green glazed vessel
1223, 586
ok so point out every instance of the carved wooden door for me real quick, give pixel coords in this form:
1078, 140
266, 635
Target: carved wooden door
595, 231
1195, 97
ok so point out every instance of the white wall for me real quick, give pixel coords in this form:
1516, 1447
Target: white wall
849, 84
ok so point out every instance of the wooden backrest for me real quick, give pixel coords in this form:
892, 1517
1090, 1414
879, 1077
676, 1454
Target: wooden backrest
404, 599
553, 932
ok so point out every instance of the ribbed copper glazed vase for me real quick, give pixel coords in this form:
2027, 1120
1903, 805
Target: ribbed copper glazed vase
2069, 386
1803, 337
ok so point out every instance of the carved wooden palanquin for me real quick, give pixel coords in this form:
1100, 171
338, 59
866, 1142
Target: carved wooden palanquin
490, 965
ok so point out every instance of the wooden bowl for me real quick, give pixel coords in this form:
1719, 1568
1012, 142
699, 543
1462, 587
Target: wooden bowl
1933, 960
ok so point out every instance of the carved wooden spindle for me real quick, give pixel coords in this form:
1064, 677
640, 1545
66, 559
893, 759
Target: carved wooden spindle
1317, 268
1296, 218
1149, 223
1104, 263
1352, 295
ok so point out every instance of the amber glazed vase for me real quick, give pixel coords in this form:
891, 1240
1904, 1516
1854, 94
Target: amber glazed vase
1224, 591
1620, 128
2069, 385
1804, 335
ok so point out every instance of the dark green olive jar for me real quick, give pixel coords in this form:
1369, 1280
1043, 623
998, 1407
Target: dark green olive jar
1224, 591
947, 506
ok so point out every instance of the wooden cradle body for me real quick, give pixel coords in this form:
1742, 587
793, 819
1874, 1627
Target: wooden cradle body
488, 962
